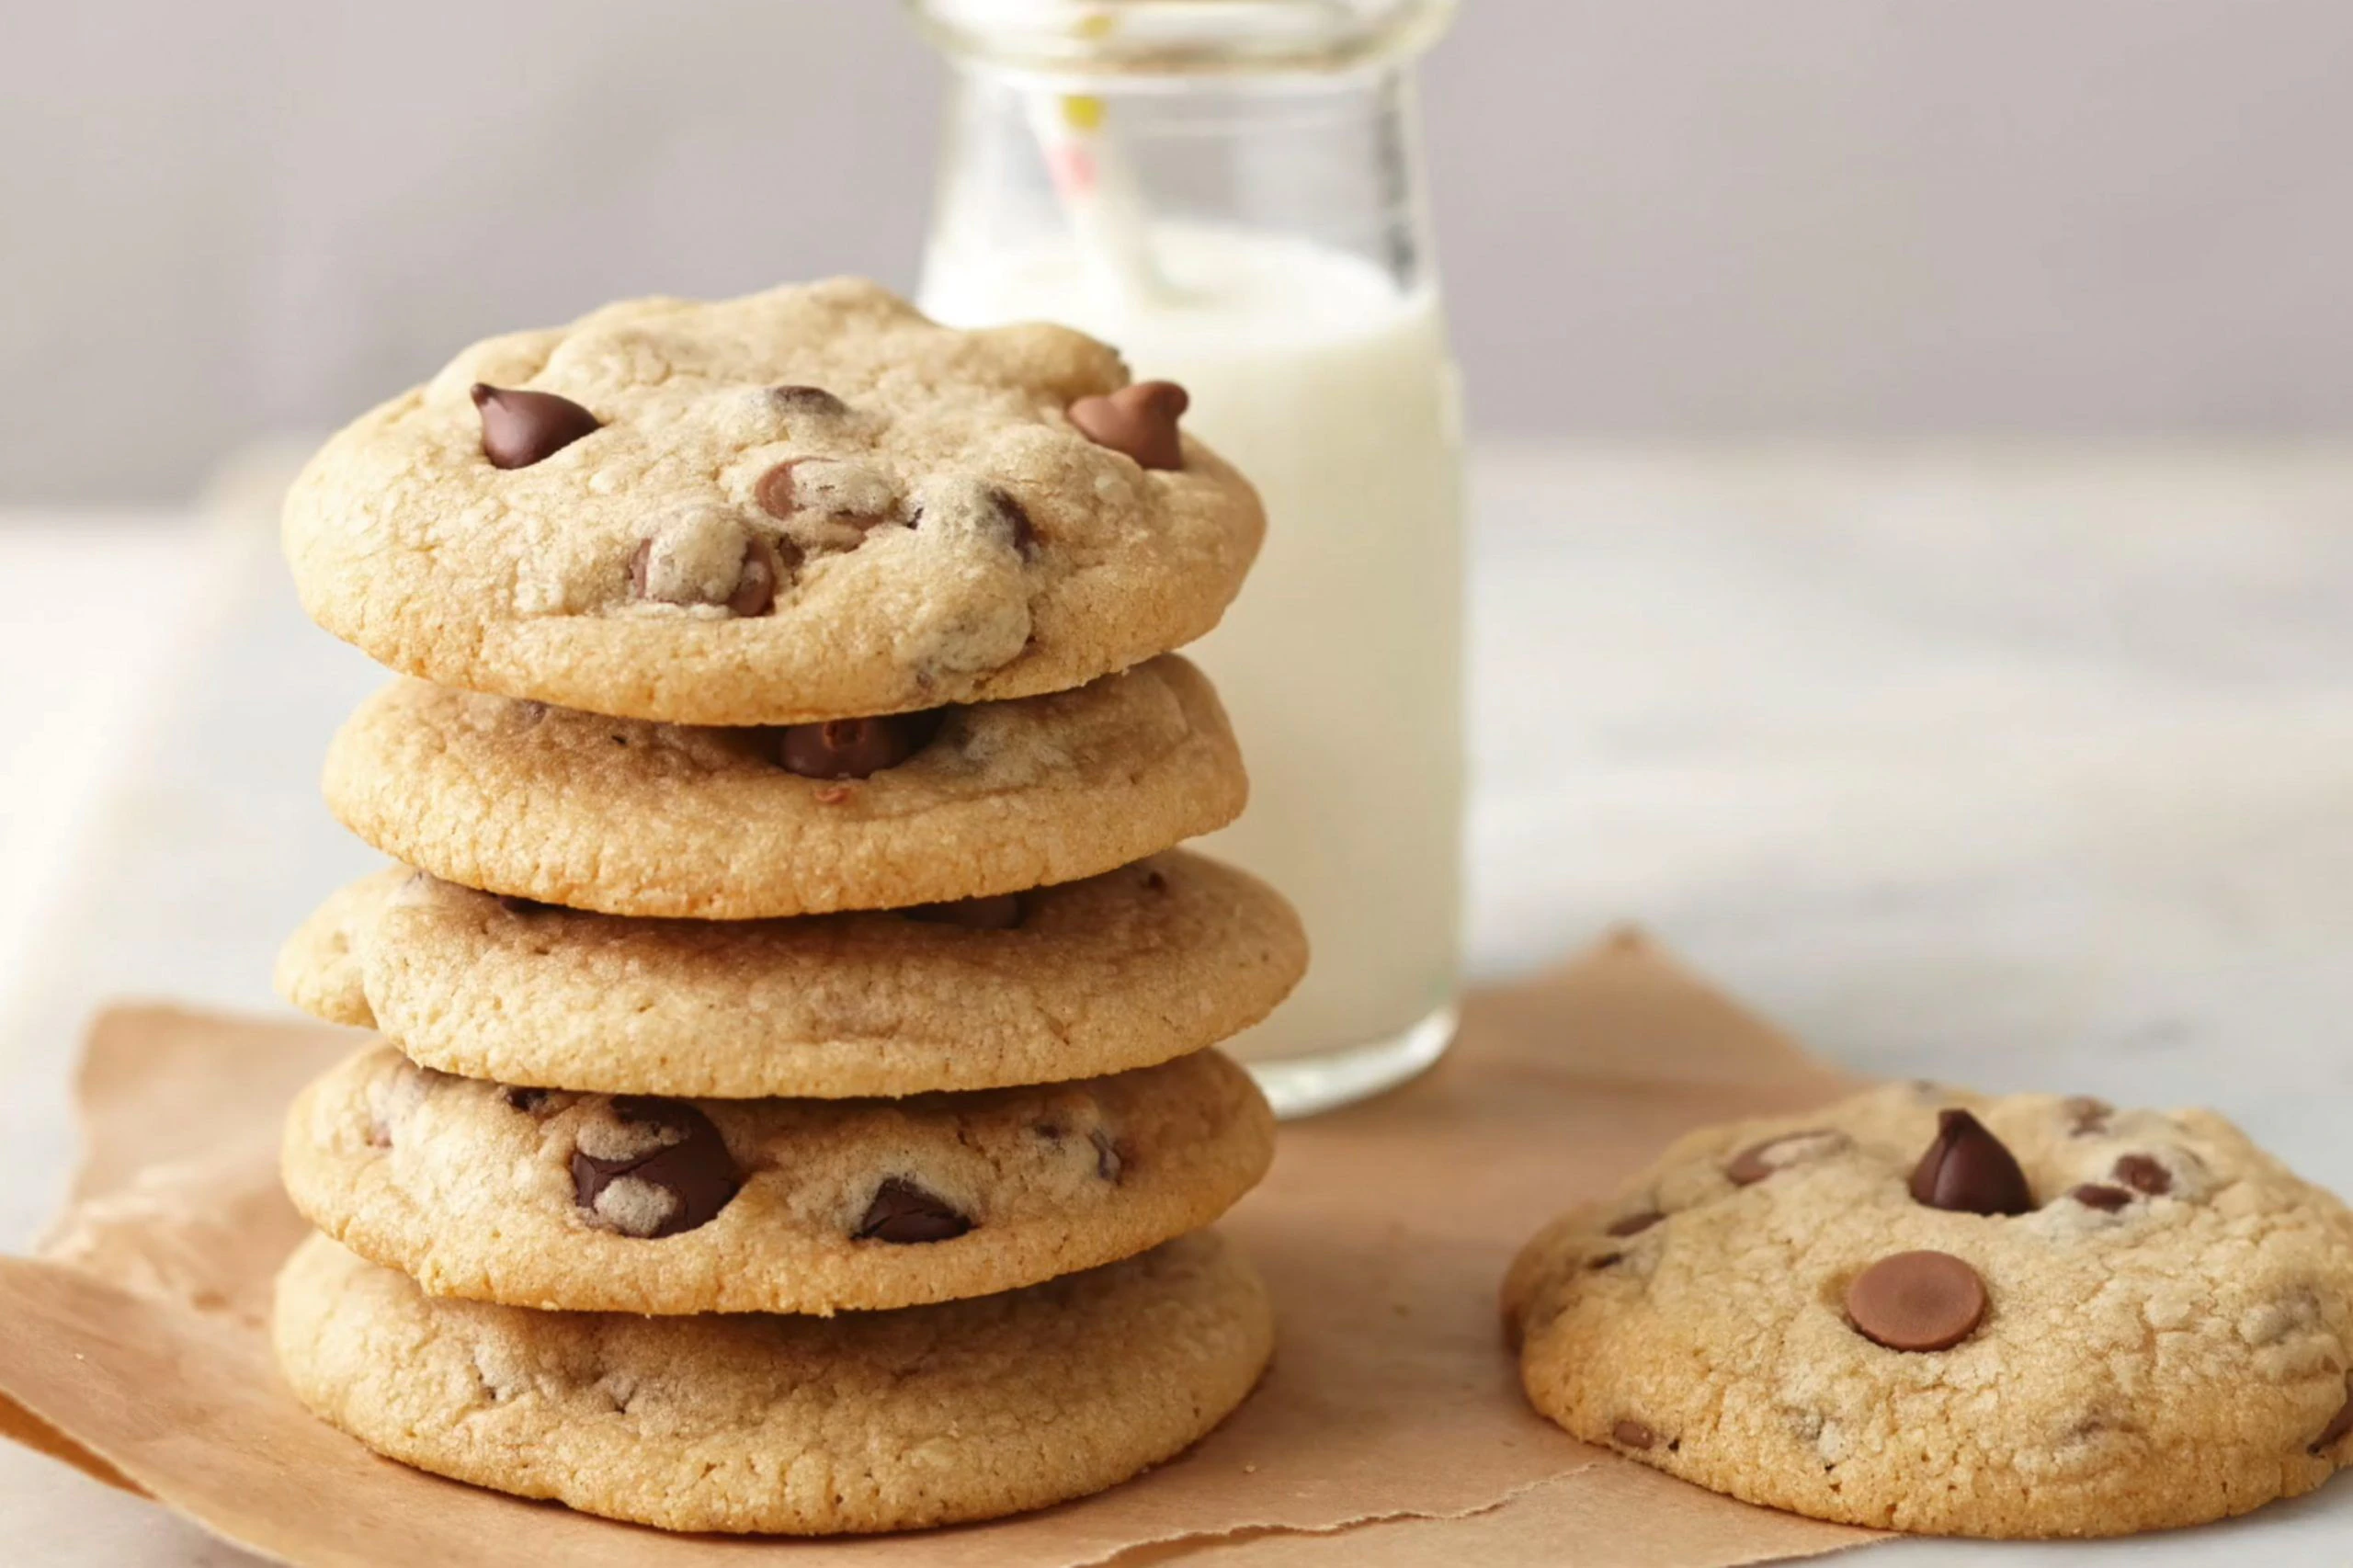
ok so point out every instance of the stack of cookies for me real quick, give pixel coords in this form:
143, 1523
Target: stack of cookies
793, 1109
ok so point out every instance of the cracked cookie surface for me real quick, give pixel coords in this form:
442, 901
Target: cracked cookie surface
866, 1422
548, 1199
1123, 970
805, 504
627, 817
1864, 1314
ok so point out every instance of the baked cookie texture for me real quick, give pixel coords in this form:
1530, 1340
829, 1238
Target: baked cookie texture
627, 817
1124, 970
874, 1421
2161, 1336
942, 531
556, 1199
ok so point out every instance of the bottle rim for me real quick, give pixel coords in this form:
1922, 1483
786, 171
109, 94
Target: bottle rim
1182, 38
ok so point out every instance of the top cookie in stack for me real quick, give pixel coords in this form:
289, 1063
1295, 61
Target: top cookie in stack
795, 928
805, 505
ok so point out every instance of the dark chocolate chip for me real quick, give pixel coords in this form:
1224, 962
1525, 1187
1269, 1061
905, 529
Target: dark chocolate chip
693, 1172
520, 428
1000, 912
1916, 1301
1758, 1161
2143, 1174
855, 748
904, 1214
1635, 1225
1632, 1435
529, 1101
1108, 1161
2338, 1424
1155, 882
1139, 420
807, 399
1025, 534
2100, 1196
1970, 1171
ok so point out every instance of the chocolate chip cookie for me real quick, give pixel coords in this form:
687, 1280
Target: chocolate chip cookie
1931, 1310
633, 818
806, 504
554, 1199
799, 1426
1124, 970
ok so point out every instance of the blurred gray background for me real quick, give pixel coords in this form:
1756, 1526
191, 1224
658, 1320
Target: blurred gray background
1671, 217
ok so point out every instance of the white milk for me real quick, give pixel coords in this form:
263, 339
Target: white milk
1341, 661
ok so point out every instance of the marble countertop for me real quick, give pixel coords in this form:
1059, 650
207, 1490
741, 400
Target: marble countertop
2015, 767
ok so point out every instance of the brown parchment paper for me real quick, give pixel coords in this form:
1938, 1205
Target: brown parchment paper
1389, 1431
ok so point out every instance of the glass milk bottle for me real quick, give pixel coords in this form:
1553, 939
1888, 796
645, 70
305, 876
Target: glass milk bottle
1231, 194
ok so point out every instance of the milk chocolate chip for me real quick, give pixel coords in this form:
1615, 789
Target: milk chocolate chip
1025, 534
674, 1174
1139, 420
2100, 1196
2143, 1174
1969, 1170
2338, 1424
1000, 913
904, 1214
520, 428
1108, 1161
1916, 1301
1758, 1161
2086, 1117
855, 748
807, 399
1632, 1435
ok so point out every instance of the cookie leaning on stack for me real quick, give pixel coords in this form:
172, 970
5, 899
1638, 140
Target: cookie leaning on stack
795, 1110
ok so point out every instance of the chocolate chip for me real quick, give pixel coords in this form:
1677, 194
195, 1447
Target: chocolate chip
1632, 1435
904, 1214
764, 572
2143, 1174
775, 492
1108, 1161
807, 399
1758, 1161
1606, 1260
706, 555
2100, 1196
1001, 912
1970, 1171
1139, 420
681, 1181
2085, 1115
2338, 1424
855, 748
1635, 1225
1916, 1301
520, 428
1155, 882
1025, 534
529, 1101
